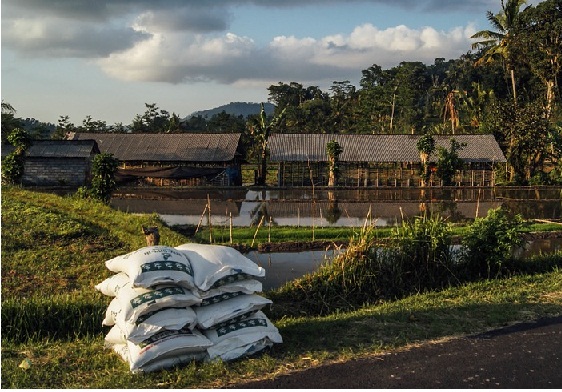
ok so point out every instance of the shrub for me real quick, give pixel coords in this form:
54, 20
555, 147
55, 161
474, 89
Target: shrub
490, 241
422, 253
104, 167
14, 163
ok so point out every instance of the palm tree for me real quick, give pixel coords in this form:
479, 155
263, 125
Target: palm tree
496, 43
260, 129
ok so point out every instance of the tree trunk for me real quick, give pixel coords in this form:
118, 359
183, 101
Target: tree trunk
331, 174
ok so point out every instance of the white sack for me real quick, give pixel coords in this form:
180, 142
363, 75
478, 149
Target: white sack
133, 302
113, 284
246, 286
164, 350
147, 325
242, 338
215, 265
154, 265
228, 307
115, 336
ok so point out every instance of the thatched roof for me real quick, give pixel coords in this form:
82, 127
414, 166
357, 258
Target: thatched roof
181, 147
377, 148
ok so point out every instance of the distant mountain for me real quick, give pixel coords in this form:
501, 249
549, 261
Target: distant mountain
236, 109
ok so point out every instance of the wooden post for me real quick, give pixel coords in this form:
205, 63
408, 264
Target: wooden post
209, 220
257, 229
231, 227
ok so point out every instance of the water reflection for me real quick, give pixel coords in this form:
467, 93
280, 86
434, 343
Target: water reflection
283, 267
339, 208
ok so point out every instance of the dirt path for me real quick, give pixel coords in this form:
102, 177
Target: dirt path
525, 355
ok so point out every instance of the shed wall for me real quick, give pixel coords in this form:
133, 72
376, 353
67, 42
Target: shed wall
56, 171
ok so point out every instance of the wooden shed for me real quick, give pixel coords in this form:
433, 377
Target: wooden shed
377, 160
57, 162
173, 159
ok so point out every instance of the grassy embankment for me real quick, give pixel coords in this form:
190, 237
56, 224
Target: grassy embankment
53, 253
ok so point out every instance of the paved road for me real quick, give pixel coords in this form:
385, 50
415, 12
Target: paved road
525, 355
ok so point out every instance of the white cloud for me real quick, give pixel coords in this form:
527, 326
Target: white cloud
177, 57
178, 41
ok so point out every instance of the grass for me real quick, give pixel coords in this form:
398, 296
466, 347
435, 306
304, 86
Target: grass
53, 253
260, 235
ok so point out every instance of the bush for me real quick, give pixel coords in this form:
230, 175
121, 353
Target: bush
418, 258
490, 242
422, 253
104, 167
14, 163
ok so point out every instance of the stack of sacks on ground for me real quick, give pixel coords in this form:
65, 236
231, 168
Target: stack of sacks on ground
230, 313
171, 305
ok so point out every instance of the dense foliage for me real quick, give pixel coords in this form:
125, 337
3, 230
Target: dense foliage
13, 163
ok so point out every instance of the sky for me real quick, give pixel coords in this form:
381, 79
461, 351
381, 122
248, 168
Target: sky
107, 58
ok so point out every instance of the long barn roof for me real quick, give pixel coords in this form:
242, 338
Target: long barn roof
377, 148
185, 147
57, 149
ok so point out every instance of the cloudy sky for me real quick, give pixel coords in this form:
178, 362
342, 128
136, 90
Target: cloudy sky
107, 58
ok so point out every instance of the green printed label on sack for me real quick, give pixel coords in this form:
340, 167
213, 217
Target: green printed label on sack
164, 335
167, 266
154, 295
148, 315
220, 298
235, 319
241, 325
231, 279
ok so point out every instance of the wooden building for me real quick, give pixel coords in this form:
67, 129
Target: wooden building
57, 162
172, 159
377, 160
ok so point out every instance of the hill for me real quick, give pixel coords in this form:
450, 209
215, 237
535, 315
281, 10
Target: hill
236, 109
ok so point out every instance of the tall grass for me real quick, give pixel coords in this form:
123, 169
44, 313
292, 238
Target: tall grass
417, 258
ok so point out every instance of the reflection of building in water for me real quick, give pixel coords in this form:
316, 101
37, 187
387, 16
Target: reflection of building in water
389, 213
176, 206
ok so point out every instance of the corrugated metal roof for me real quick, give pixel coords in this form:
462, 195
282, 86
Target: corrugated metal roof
377, 148
57, 149
186, 147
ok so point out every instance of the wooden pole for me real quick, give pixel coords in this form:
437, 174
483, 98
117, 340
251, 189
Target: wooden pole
231, 227
209, 220
257, 229
201, 219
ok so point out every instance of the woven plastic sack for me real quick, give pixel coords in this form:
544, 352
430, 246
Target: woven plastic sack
163, 350
148, 325
228, 307
154, 265
133, 302
113, 284
242, 338
216, 265
246, 286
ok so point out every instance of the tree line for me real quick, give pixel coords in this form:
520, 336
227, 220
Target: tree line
506, 85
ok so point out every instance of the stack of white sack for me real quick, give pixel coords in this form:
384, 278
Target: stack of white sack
230, 313
171, 305
153, 323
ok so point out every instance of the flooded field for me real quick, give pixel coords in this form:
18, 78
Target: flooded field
341, 208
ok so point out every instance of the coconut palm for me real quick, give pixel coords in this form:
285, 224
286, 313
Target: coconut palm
495, 43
